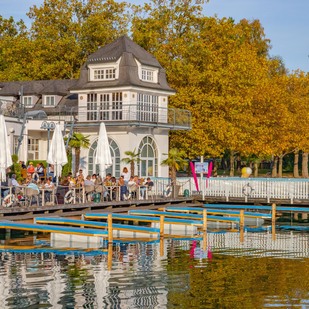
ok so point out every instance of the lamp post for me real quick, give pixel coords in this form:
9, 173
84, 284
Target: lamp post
46, 125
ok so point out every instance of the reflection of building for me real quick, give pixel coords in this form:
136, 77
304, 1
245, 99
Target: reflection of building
120, 84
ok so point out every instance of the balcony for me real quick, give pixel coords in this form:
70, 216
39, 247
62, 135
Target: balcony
124, 115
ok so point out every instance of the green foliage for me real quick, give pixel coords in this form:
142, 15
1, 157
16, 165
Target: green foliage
78, 141
133, 157
175, 161
67, 168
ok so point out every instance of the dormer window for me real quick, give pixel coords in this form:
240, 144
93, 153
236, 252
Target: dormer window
147, 75
104, 74
104, 71
27, 101
49, 100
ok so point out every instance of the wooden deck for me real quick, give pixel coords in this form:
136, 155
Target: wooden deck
27, 214
75, 211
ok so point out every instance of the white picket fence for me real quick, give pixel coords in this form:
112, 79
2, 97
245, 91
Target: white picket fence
259, 188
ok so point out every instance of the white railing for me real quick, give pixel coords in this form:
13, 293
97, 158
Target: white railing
233, 187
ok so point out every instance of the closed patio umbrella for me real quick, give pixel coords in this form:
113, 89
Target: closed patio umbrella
5, 149
103, 155
57, 154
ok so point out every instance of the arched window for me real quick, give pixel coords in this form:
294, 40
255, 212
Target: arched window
148, 165
115, 153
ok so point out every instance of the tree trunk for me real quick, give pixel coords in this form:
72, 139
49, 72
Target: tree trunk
238, 164
174, 184
280, 165
304, 165
295, 167
232, 166
274, 168
132, 168
256, 169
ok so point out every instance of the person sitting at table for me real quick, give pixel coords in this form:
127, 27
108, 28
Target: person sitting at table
15, 184
48, 189
40, 170
133, 186
30, 168
33, 185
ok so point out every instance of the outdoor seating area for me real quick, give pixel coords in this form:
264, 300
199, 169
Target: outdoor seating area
77, 190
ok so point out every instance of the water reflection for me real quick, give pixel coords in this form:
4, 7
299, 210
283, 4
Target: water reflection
173, 273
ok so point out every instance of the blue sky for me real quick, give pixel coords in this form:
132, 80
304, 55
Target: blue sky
285, 22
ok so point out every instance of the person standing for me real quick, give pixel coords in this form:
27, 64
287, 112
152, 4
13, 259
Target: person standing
126, 175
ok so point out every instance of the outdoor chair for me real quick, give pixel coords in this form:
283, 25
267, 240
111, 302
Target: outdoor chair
31, 195
150, 192
89, 190
133, 191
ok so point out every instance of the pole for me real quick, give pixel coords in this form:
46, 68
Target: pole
241, 225
204, 229
48, 135
201, 176
273, 221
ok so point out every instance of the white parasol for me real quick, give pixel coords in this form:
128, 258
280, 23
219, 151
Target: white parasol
5, 149
57, 154
103, 155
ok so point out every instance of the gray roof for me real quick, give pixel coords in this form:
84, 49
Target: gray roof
128, 51
123, 48
39, 88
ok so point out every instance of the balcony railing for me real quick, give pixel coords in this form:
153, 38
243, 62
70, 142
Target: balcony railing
141, 115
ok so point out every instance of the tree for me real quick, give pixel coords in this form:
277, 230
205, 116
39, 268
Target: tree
133, 157
175, 161
214, 64
78, 141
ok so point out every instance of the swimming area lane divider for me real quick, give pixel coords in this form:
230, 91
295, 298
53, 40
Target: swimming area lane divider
280, 208
182, 215
51, 229
96, 224
218, 211
142, 218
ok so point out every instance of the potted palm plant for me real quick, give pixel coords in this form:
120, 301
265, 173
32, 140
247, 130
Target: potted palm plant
175, 161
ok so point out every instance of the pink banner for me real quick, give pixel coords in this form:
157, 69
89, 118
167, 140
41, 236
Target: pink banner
194, 176
209, 172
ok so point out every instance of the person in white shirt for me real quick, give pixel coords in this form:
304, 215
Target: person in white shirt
14, 182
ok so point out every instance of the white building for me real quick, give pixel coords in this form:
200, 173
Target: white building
120, 84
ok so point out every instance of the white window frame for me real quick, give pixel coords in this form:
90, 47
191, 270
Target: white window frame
104, 74
33, 148
27, 101
47, 98
104, 71
147, 73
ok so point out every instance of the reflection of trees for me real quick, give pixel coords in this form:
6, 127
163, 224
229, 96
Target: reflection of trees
230, 282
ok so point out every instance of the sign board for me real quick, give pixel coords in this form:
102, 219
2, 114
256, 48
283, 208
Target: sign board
201, 167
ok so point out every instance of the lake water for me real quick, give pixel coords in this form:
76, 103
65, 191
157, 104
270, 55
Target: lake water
173, 273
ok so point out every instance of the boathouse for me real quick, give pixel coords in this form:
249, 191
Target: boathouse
121, 84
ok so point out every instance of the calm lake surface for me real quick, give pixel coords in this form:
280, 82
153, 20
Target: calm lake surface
174, 273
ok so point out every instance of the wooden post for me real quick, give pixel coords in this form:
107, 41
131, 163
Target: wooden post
241, 225
204, 229
273, 221
110, 228
110, 256
161, 246
161, 226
